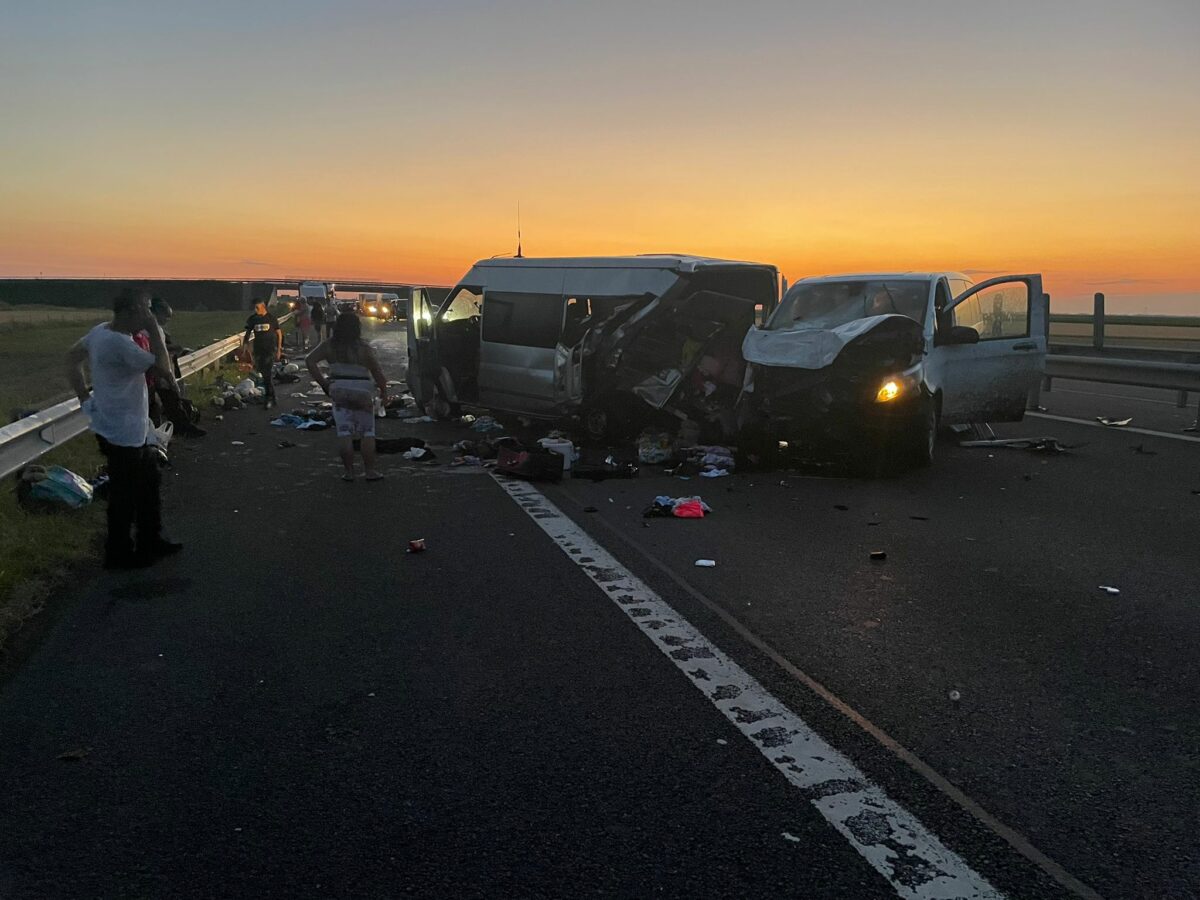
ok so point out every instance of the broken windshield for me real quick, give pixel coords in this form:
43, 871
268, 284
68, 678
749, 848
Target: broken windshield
828, 304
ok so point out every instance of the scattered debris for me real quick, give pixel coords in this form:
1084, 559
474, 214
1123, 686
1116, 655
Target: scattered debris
238, 443
1141, 450
75, 755
787, 835
1109, 589
1113, 423
417, 545
416, 453
677, 507
561, 446
590, 509
48, 488
878, 555
714, 473
654, 447
919, 518
484, 424
955, 695
1035, 445
284, 445
706, 563
532, 464
842, 507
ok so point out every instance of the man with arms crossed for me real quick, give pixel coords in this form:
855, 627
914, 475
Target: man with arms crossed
119, 412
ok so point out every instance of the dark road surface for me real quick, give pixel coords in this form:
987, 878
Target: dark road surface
295, 707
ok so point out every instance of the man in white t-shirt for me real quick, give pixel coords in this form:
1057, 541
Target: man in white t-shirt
118, 409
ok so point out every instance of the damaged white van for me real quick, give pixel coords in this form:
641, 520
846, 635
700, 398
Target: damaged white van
610, 340
877, 362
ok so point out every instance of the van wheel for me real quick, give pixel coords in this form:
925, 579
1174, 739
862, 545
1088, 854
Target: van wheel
923, 438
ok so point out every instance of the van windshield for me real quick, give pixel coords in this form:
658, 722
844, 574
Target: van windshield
828, 304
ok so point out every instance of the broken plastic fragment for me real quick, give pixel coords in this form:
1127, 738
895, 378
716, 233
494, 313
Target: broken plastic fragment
1109, 589
1113, 423
878, 555
706, 563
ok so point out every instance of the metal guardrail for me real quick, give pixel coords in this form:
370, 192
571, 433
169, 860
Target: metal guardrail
26, 439
1183, 378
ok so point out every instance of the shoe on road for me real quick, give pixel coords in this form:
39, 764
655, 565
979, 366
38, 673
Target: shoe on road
159, 549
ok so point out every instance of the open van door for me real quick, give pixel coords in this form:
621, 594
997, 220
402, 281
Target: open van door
420, 349
990, 348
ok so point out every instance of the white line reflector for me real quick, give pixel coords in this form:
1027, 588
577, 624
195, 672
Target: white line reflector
912, 859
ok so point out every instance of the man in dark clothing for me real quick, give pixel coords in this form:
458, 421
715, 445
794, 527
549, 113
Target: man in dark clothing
170, 403
317, 314
117, 408
268, 346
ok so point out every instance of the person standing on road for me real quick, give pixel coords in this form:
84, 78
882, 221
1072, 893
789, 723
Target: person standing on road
316, 312
268, 346
303, 323
352, 368
117, 407
331, 314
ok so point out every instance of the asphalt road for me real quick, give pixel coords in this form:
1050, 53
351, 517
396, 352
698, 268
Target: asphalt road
297, 707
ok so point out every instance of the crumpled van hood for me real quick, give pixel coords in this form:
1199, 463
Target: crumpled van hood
814, 348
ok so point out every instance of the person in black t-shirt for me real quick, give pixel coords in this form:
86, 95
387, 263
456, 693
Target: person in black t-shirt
268, 346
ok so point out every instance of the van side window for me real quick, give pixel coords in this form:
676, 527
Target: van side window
465, 305
526, 320
959, 286
1001, 311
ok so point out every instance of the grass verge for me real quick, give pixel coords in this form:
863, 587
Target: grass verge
31, 356
40, 551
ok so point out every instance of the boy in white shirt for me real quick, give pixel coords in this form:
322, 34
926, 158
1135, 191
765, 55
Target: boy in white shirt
118, 409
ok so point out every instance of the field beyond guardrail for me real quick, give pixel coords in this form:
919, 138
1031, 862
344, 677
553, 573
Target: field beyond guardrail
26, 439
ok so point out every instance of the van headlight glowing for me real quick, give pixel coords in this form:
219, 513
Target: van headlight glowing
372, 309
386, 311
897, 387
889, 390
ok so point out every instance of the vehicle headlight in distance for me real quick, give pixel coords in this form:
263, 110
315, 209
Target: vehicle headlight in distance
896, 387
386, 311
372, 309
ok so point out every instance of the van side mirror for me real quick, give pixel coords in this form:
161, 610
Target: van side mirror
958, 334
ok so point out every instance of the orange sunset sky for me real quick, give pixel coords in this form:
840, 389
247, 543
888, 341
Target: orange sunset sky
394, 140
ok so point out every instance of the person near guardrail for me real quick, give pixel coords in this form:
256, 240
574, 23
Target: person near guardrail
268, 346
117, 407
171, 403
352, 367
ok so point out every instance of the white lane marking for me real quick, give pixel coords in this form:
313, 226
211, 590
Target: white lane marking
1128, 428
914, 861
1128, 397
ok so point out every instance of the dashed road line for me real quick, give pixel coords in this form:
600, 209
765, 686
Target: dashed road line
911, 858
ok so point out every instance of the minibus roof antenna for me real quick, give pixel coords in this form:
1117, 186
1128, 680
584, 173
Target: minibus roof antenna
519, 254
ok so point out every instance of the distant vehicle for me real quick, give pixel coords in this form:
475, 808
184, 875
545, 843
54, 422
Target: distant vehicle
380, 306
610, 340
316, 290
883, 360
